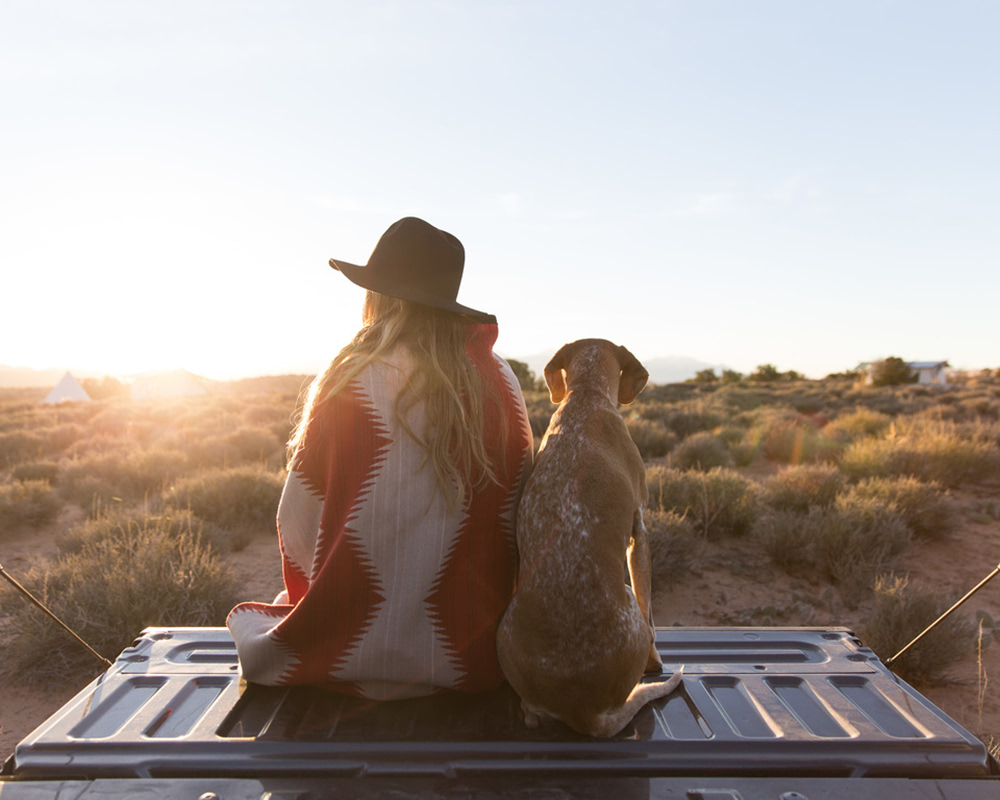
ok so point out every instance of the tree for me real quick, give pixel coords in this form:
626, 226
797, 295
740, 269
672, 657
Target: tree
850, 374
705, 376
526, 377
892, 371
731, 376
765, 373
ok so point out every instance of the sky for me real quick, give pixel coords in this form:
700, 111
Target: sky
798, 183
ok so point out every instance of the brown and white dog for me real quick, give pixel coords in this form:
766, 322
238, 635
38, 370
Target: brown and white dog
575, 640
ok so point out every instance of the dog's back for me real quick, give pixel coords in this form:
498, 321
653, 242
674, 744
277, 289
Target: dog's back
574, 642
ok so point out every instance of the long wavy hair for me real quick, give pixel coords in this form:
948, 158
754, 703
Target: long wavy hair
442, 377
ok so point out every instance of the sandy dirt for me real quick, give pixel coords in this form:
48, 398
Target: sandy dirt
728, 584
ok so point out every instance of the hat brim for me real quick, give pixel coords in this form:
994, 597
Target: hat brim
364, 277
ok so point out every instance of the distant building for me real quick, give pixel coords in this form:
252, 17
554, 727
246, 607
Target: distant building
929, 373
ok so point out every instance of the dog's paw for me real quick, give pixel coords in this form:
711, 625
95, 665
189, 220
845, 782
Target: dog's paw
532, 718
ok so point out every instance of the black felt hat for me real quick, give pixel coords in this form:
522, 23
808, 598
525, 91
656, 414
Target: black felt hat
417, 262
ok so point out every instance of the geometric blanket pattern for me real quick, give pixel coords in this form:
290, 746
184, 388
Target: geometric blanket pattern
387, 594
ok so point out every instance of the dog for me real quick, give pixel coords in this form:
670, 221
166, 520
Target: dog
575, 640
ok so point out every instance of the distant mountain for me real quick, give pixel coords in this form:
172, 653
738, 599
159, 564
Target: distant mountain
677, 369
662, 369
25, 377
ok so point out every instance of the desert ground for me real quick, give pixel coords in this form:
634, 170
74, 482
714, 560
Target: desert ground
729, 583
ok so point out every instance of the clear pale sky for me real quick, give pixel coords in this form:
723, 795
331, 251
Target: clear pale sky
808, 184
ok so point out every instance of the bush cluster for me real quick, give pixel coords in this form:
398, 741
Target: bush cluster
673, 546
27, 503
901, 612
702, 451
848, 544
803, 486
718, 503
107, 591
926, 449
234, 498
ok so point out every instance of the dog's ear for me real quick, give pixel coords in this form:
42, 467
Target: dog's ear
554, 377
633, 379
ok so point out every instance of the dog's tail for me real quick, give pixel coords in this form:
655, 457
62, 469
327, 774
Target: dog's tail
611, 722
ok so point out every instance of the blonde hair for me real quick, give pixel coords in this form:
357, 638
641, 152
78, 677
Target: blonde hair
443, 378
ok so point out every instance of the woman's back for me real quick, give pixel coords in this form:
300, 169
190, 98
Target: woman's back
393, 591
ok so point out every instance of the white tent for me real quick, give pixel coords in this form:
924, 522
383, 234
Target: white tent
67, 390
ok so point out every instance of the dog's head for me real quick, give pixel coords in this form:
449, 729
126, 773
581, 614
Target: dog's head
594, 358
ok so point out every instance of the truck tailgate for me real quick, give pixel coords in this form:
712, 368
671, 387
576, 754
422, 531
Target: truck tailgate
755, 702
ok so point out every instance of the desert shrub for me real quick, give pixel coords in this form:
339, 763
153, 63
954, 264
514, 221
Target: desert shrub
59, 437
28, 502
731, 434
744, 453
209, 450
900, 613
647, 408
88, 446
941, 412
652, 439
253, 444
36, 471
787, 538
125, 523
861, 539
718, 503
111, 421
798, 487
278, 412
927, 510
233, 498
673, 546
18, 445
981, 407
928, 450
798, 441
741, 397
851, 425
124, 475
847, 544
692, 416
702, 451
107, 592
808, 403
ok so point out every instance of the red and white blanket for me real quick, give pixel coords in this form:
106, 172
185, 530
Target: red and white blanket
388, 594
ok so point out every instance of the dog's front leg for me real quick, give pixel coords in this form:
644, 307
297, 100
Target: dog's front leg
640, 573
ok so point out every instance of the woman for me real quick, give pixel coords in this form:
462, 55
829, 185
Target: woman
396, 523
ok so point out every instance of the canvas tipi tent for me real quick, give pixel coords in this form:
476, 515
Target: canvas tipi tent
67, 390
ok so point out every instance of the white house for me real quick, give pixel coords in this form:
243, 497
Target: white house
929, 373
